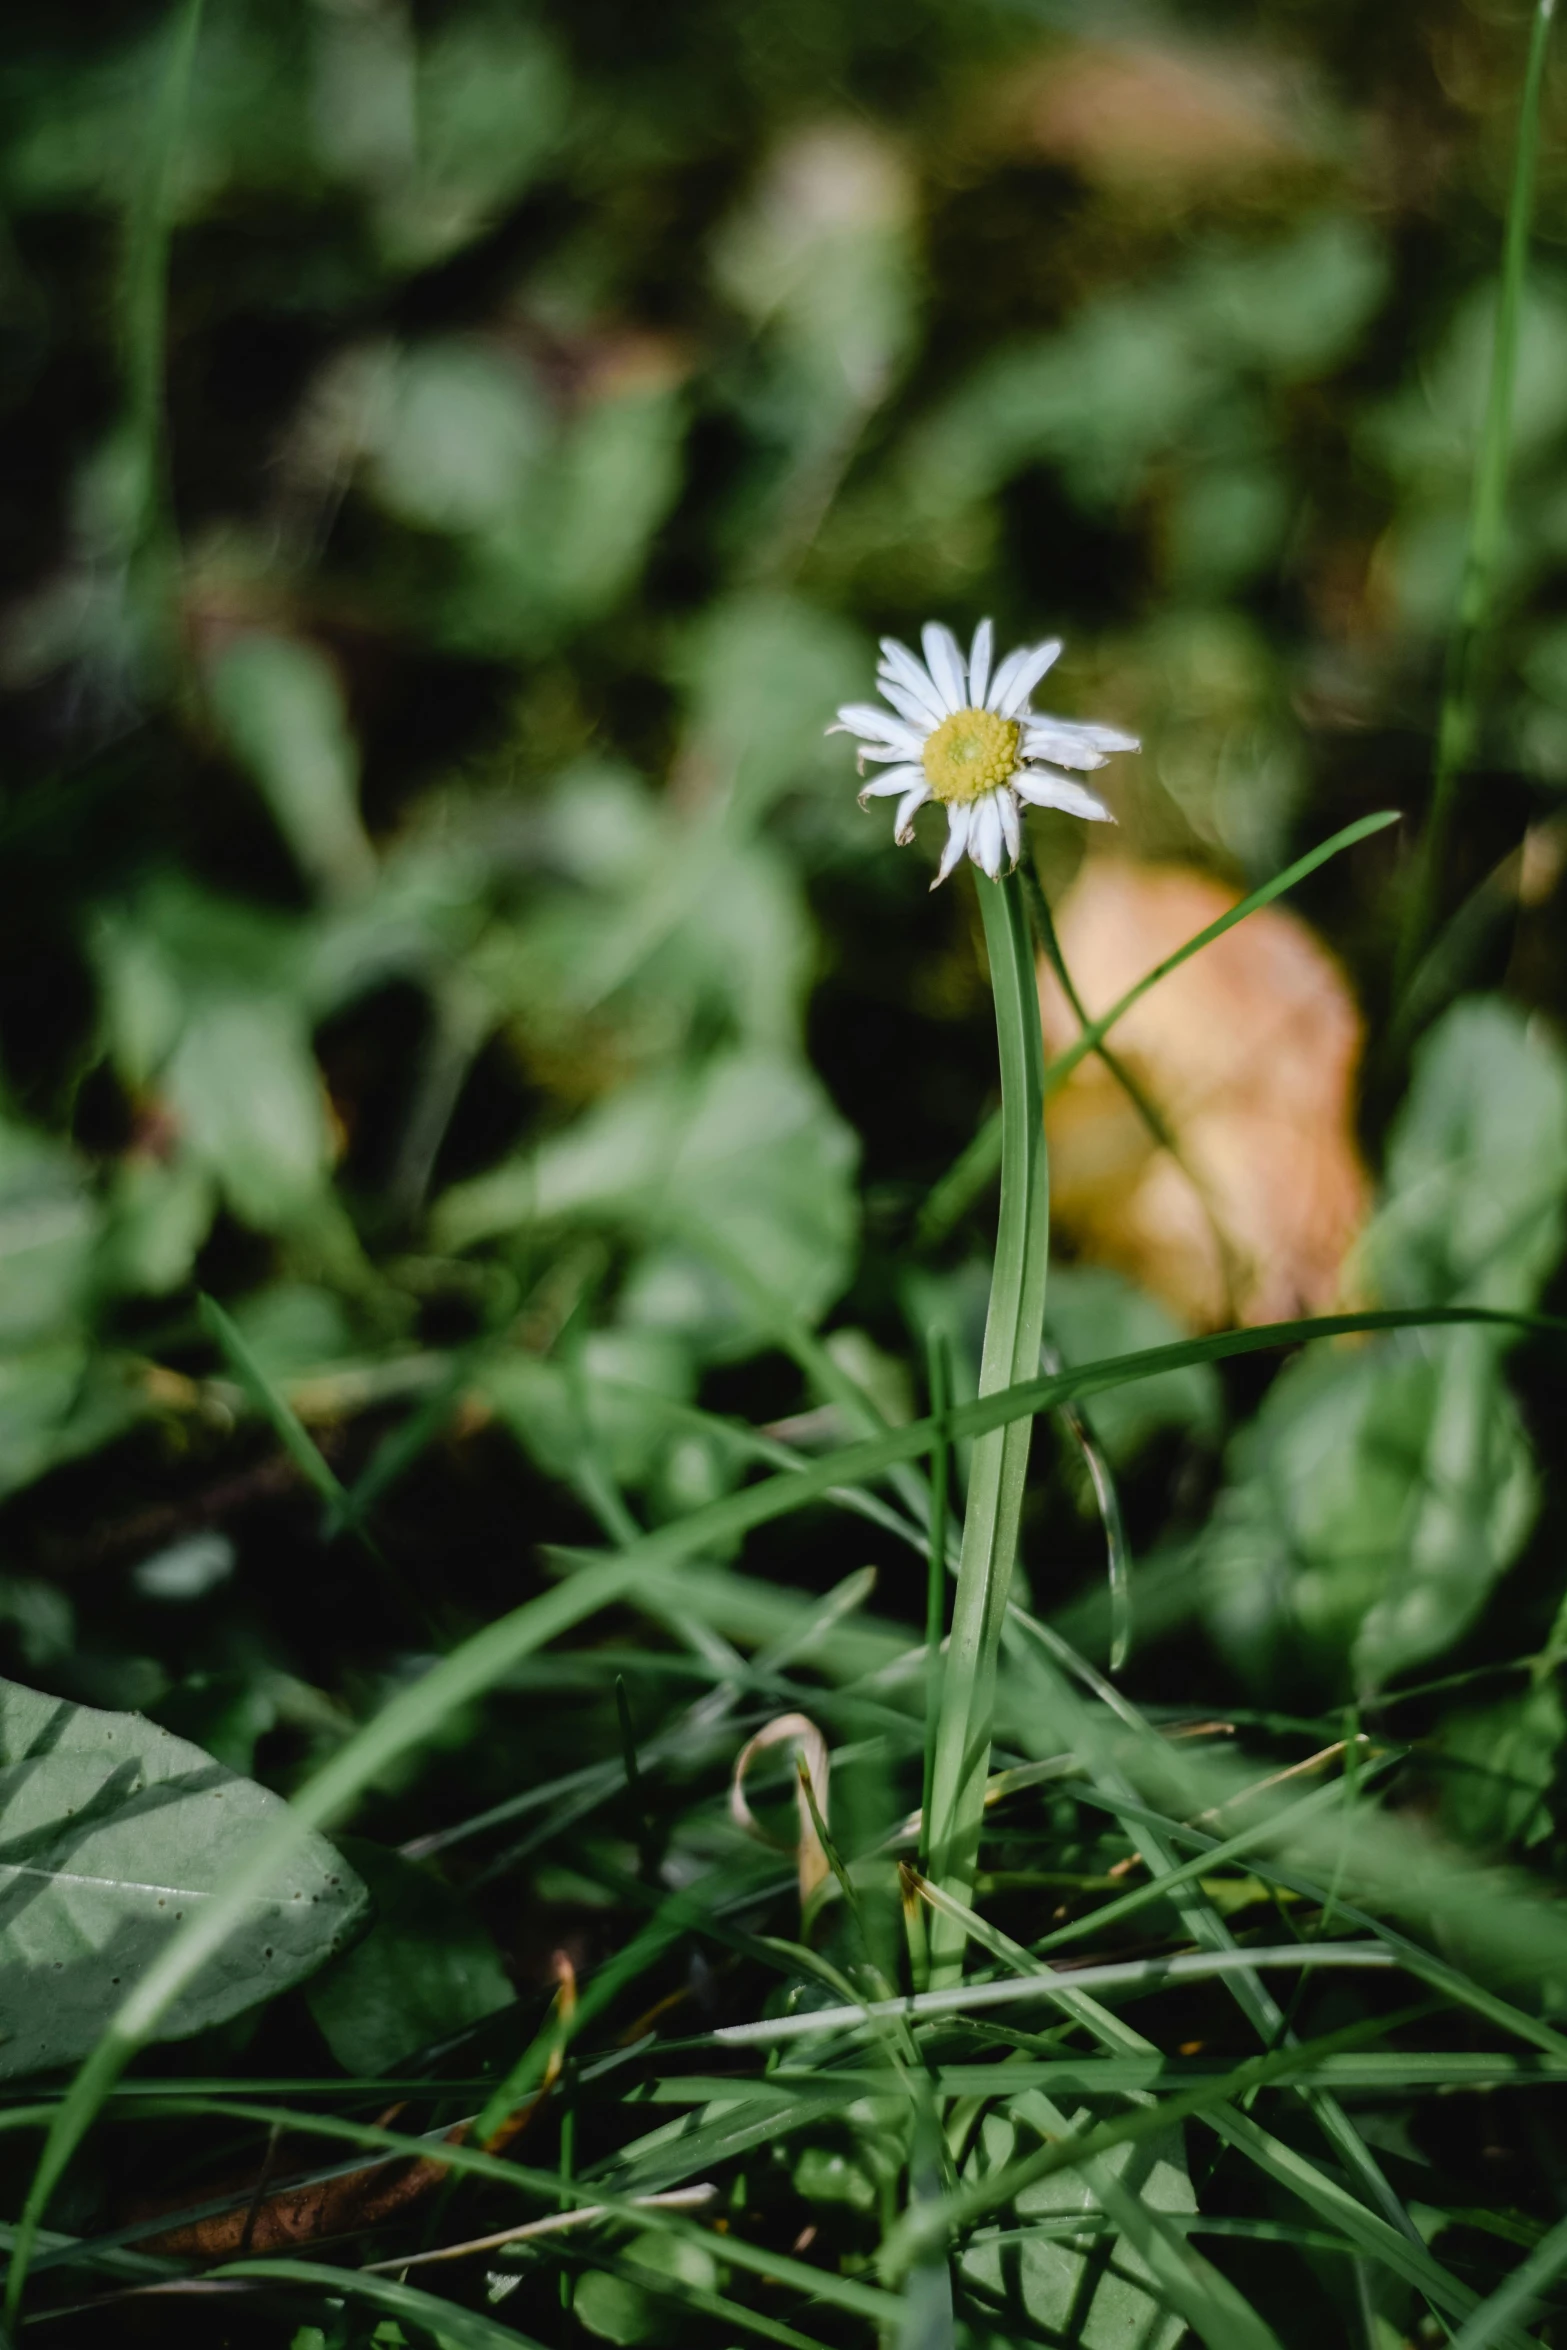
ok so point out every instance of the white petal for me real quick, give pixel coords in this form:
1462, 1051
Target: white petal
1018, 675
1011, 824
985, 839
880, 726
979, 666
902, 750
908, 703
913, 676
908, 808
957, 842
1051, 742
1074, 746
1044, 789
945, 663
896, 779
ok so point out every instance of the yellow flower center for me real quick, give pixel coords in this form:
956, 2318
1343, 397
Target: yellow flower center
969, 754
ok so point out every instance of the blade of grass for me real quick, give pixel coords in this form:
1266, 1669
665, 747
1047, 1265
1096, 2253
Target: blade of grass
1373, 2236
274, 1407
1131, 1974
1014, 1326
1517, 2297
1388, 2070
144, 302
1198, 1914
417, 1712
1458, 718
1118, 1550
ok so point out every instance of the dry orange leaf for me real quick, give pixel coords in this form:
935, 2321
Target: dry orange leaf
1249, 1053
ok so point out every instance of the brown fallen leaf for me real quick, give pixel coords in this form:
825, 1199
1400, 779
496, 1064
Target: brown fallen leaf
1249, 1053
282, 2219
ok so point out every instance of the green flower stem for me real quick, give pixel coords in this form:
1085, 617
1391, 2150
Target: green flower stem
1013, 1330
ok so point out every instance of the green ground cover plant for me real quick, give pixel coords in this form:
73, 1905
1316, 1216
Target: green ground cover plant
636, 1706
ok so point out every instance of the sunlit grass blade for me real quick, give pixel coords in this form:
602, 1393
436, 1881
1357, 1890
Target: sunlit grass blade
1449, 1981
1515, 2300
1458, 718
1014, 1326
274, 1407
1133, 1974
1198, 1913
1118, 1550
1279, 2063
1370, 2235
951, 1198
418, 1711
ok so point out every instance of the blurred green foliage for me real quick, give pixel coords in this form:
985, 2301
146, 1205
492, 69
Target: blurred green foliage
458, 457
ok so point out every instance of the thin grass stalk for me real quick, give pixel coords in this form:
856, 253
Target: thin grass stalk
1013, 1330
417, 1711
1458, 718
143, 304
935, 1575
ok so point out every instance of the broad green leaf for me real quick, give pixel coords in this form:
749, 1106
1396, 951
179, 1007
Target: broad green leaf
676, 926
1368, 1510
490, 101
560, 1409
115, 1834
425, 1970
820, 258
1376, 1498
1126, 378
48, 1231
459, 437
1430, 431
57, 1402
158, 1214
1297, 307
617, 2309
1057, 2287
280, 708
746, 1159
208, 1008
1476, 1164
59, 1395
760, 669
618, 475
1502, 1762
244, 1084
293, 1327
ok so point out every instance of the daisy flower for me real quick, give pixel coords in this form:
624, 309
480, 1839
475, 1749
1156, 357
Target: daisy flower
965, 735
